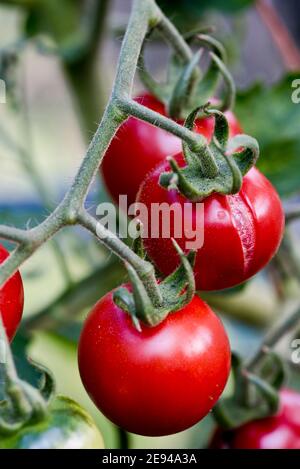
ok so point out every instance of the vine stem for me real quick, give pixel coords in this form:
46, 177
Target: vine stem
196, 142
275, 334
70, 211
144, 269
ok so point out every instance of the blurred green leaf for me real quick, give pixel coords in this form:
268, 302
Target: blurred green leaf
26, 371
59, 19
268, 114
186, 13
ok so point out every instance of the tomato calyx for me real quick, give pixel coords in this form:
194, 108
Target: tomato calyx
21, 403
185, 84
220, 170
255, 394
176, 291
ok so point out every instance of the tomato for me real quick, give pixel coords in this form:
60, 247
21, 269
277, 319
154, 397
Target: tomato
11, 300
138, 147
242, 232
67, 427
281, 431
161, 380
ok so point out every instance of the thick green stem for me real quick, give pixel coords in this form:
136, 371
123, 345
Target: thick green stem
131, 48
196, 142
144, 269
13, 234
109, 124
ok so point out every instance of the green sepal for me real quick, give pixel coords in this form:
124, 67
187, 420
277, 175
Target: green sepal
16, 413
255, 396
194, 181
176, 291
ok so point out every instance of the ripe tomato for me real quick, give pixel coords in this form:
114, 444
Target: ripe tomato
11, 300
158, 381
281, 431
242, 232
68, 426
138, 147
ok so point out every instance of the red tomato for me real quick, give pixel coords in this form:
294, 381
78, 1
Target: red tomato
138, 147
281, 431
161, 380
242, 232
11, 300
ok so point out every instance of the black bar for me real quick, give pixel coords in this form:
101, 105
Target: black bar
152, 458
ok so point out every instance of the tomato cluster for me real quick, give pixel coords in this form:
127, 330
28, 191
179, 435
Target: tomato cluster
163, 379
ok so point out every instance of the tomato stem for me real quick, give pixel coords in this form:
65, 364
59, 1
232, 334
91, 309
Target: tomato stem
144, 269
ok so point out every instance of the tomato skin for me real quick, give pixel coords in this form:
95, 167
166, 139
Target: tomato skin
281, 431
67, 427
11, 299
159, 381
138, 147
242, 232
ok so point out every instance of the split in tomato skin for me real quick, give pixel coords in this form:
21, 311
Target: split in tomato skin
281, 431
139, 146
242, 232
161, 380
11, 299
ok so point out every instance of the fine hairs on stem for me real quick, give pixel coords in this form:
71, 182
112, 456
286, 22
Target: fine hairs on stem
70, 211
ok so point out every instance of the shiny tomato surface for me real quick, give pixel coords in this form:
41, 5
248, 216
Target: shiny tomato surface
11, 300
281, 431
241, 232
158, 381
138, 147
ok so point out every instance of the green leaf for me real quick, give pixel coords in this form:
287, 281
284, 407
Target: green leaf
59, 19
26, 371
186, 13
197, 7
268, 114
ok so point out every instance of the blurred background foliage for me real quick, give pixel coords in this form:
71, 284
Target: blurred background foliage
56, 92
